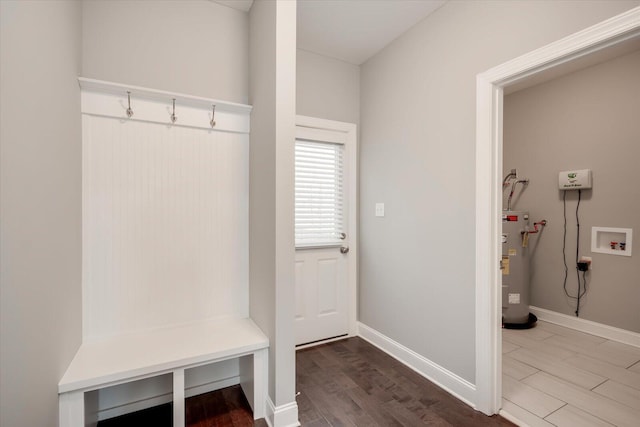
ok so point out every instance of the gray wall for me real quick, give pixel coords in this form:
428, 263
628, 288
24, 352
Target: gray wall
587, 119
271, 205
40, 206
195, 47
327, 88
417, 281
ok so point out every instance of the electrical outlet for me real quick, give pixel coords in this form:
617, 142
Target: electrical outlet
588, 260
379, 209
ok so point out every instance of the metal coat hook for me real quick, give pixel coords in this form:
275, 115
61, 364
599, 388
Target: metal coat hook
213, 116
129, 110
173, 115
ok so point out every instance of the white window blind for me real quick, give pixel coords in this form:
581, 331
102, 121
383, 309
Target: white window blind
319, 193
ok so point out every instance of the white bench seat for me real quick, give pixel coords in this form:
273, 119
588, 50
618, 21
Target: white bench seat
135, 356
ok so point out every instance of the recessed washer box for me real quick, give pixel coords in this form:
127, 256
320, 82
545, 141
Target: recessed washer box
574, 179
612, 241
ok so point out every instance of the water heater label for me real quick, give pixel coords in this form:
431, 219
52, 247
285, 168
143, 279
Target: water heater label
514, 298
505, 265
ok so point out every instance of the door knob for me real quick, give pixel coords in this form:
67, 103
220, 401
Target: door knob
344, 249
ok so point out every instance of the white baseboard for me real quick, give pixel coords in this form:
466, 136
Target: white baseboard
447, 380
139, 405
117, 411
283, 415
588, 326
212, 386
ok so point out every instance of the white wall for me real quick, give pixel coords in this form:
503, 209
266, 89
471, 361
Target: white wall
587, 119
417, 281
327, 88
40, 209
271, 206
165, 224
195, 47
262, 213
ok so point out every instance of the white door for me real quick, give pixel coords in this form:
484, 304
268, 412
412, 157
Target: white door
325, 230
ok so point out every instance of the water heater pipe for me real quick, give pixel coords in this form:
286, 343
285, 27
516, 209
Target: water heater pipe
535, 226
513, 187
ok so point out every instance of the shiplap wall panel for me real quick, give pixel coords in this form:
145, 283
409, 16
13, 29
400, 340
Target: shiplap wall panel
165, 225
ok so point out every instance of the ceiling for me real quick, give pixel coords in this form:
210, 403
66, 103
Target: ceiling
355, 30
243, 5
352, 30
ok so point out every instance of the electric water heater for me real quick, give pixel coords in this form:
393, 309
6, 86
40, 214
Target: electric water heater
515, 267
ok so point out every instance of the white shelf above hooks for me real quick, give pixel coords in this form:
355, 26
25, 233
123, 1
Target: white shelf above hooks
118, 100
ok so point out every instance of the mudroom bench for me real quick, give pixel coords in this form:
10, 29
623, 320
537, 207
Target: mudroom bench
173, 350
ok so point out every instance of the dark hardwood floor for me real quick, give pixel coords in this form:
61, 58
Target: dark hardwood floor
223, 408
227, 407
344, 383
352, 383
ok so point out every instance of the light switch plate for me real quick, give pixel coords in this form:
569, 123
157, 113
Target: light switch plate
379, 209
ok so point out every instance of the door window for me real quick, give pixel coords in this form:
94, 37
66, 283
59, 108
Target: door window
319, 194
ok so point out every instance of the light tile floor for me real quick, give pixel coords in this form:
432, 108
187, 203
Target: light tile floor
556, 376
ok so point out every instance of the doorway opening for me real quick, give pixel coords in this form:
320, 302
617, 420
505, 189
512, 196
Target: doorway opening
564, 56
325, 231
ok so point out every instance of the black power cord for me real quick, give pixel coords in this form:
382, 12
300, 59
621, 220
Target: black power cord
564, 243
578, 252
580, 266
